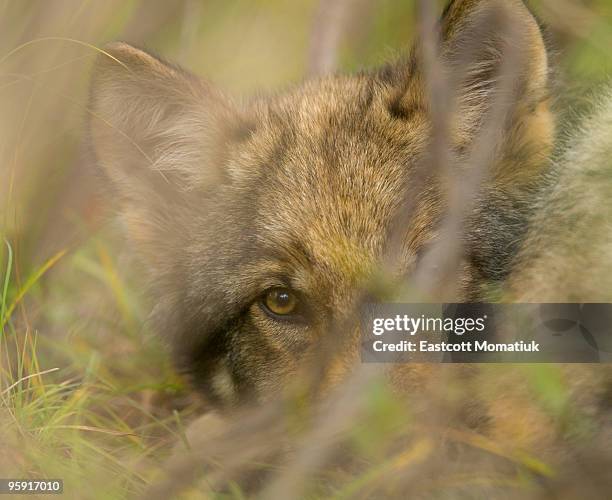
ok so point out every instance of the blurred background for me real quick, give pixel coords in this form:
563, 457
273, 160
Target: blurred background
67, 301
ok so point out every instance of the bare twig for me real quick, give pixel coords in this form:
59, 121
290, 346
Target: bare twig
337, 417
332, 19
439, 272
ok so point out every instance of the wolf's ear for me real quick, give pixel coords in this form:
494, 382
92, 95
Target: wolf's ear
156, 131
486, 40
497, 50
491, 51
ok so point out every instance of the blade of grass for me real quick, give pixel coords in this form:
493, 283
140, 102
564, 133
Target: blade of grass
7, 277
32, 280
61, 39
23, 379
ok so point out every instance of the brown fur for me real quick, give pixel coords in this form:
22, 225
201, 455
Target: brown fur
566, 257
300, 189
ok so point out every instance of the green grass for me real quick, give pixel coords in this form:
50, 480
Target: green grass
73, 408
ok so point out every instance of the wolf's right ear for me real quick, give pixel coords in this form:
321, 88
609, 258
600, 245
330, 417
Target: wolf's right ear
157, 132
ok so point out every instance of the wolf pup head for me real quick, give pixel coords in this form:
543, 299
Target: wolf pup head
261, 222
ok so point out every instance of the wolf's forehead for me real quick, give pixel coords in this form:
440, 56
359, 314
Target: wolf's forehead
340, 126
336, 168
336, 204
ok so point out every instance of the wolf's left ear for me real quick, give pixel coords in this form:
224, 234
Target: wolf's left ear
157, 133
485, 42
492, 50
477, 35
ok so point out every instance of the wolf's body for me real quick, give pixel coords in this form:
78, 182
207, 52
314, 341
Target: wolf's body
567, 256
302, 192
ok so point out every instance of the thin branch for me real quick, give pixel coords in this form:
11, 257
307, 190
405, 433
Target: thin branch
331, 22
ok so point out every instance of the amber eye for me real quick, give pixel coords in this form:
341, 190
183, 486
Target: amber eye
280, 301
